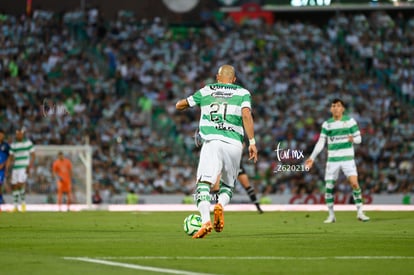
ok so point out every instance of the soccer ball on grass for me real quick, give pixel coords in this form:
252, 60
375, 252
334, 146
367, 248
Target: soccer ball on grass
192, 224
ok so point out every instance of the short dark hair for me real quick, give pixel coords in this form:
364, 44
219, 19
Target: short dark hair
2, 131
336, 100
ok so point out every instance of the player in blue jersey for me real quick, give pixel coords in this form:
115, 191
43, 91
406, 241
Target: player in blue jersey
4, 155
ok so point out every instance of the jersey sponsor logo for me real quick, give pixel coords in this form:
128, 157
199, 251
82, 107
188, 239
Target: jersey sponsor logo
222, 94
338, 138
222, 87
220, 126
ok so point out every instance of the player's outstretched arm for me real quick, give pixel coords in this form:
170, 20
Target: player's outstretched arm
318, 148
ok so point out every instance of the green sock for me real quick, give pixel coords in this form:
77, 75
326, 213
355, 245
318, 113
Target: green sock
329, 187
16, 195
23, 195
357, 194
203, 200
225, 194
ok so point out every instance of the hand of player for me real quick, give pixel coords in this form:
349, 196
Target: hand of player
253, 152
351, 138
309, 163
198, 140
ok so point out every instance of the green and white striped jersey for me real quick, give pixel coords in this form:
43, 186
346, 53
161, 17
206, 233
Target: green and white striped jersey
221, 111
21, 151
336, 132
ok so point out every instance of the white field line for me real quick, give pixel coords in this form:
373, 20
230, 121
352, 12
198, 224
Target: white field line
260, 258
134, 266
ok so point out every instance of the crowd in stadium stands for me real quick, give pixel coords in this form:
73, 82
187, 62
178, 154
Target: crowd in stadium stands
71, 76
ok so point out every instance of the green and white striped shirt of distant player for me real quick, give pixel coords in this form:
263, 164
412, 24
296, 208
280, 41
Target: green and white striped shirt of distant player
21, 151
221, 111
337, 133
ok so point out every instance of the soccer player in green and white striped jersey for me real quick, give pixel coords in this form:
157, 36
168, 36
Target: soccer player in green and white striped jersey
22, 159
225, 117
341, 132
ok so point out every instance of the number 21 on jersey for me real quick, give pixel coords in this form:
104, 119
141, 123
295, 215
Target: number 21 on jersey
218, 112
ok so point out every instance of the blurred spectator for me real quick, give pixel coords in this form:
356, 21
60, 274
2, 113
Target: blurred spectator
132, 197
116, 82
96, 197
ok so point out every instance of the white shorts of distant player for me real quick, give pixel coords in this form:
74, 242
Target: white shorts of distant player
18, 176
332, 169
219, 157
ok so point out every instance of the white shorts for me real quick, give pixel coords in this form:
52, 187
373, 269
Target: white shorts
19, 176
219, 157
347, 167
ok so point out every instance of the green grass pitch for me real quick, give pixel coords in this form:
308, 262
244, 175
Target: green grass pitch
155, 243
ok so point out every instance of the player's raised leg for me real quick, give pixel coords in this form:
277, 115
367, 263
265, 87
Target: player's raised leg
214, 192
225, 195
229, 173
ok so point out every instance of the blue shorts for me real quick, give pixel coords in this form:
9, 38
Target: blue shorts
1, 177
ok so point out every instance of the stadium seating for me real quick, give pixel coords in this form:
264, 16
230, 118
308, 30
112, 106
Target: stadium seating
117, 82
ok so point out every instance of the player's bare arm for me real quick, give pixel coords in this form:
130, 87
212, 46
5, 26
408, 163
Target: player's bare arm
249, 128
182, 104
320, 144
